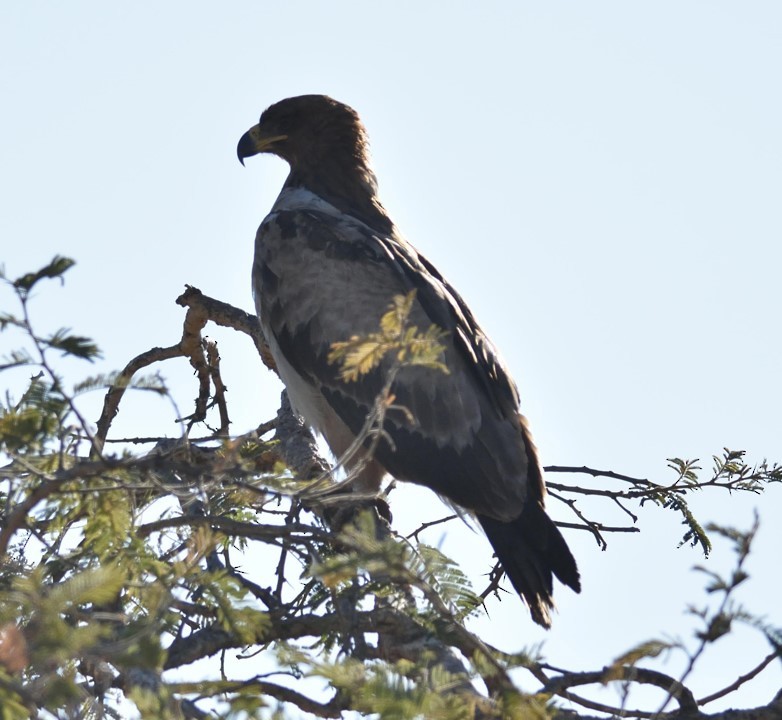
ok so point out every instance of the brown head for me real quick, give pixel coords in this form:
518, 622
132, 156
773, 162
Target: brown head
326, 146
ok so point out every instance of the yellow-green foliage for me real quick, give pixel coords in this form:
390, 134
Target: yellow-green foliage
112, 564
361, 354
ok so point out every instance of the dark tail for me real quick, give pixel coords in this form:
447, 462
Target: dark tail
531, 549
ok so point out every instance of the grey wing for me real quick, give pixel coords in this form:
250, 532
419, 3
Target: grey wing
319, 280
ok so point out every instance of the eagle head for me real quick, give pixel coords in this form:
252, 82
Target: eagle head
326, 146
306, 129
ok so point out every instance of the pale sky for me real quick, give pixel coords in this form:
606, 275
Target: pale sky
601, 181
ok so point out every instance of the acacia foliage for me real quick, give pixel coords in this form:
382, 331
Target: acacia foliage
120, 568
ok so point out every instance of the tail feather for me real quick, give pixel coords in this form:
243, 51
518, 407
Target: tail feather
531, 550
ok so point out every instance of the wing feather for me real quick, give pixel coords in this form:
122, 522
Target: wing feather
321, 279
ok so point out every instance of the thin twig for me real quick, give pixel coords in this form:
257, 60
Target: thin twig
213, 361
740, 680
571, 503
599, 526
117, 390
429, 524
584, 470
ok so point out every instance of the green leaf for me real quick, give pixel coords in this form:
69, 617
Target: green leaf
447, 578
7, 319
774, 636
650, 648
686, 469
25, 427
153, 383
56, 268
16, 358
97, 586
393, 322
75, 345
249, 703
718, 626
361, 354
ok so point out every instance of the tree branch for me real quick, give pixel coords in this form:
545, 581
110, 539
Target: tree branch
644, 676
740, 680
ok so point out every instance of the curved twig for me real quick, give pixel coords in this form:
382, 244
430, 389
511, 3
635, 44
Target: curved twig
740, 680
682, 694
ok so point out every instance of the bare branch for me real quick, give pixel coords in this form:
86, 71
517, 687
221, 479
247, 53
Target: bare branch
331, 709
231, 317
740, 680
593, 528
431, 523
560, 686
571, 469
213, 362
117, 390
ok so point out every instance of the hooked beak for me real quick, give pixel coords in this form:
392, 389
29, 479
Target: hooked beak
255, 141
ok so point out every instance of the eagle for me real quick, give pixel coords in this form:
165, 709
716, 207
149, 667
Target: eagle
328, 261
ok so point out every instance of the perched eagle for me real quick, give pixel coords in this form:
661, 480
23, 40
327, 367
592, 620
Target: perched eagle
328, 261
